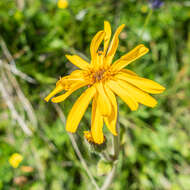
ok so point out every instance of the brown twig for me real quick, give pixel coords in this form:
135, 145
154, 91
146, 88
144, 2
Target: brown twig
14, 113
20, 4
24, 101
12, 64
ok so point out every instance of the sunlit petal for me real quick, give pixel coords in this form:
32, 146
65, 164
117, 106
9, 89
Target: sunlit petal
62, 97
78, 61
139, 95
126, 59
128, 72
112, 118
142, 83
114, 44
78, 109
97, 123
103, 100
107, 29
96, 41
123, 94
57, 89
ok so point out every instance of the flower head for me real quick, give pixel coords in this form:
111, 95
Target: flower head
15, 160
104, 80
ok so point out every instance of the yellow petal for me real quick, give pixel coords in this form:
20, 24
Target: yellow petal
103, 100
57, 89
134, 54
62, 97
96, 41
112, 118
123, 94
78, 109
142, 83
77, 73
67, 81
78, 61
139, 95
128, 72
97, 123
107, 29
99, 61
114, 44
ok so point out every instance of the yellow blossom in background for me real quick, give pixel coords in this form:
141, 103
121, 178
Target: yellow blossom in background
62, 4
144, 9
104, 80
15, 160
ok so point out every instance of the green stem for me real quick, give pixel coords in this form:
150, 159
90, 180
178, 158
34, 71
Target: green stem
146, 22
116, 147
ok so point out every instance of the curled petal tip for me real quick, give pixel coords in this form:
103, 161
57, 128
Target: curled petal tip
46, 99
67, 56
143, 48
163, 88
106, 21
154, 104
54, 100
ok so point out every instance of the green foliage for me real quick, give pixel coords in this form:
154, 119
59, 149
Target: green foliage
155, 142
104, 167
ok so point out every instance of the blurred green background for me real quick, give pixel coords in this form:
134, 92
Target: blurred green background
34, 37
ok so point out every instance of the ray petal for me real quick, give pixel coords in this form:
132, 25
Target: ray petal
97, 123
123, 94
114, 44
72, 89
126, 59
142, 83
112, 118
96, 41
139, 95
107, 29
128, 72
78, 109
103, 100
57, 89
78, 61
75, 76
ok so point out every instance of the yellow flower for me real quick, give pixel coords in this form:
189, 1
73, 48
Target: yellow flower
62, 4
104, 80
15, 160
144, 9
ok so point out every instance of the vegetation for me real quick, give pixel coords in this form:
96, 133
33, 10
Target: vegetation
155, 143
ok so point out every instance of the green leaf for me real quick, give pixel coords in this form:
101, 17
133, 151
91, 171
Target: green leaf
104, 167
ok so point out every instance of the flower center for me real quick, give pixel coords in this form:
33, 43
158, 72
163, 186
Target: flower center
98, 75
94, 76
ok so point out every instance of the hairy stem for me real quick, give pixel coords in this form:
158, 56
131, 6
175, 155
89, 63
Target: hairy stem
116, 149
76, 148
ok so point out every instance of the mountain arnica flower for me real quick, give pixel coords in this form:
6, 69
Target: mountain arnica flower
104, 80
